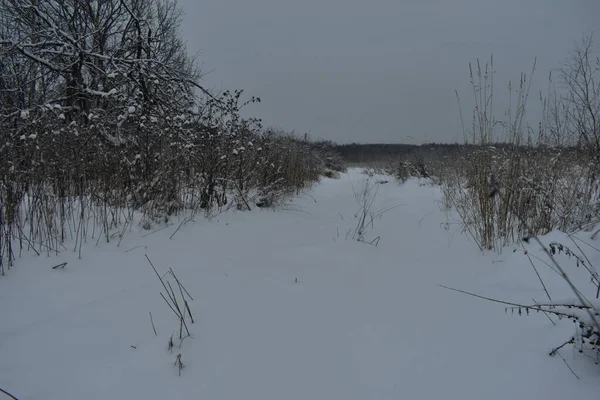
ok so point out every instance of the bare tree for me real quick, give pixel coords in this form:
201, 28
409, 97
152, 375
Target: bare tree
102, 114
581, 75
87, 55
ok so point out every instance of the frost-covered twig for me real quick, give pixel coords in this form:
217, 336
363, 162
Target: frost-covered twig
580, 297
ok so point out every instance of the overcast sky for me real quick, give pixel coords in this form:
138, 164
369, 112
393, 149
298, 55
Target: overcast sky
378, 70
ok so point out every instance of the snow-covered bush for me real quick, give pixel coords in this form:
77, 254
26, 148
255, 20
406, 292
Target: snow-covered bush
506, 187
504, 193
413, 168
526, 187
95, 128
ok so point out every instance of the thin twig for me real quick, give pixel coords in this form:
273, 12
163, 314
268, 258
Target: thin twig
553, 352
571, 285
159, 229
185, 221
8, 394
535, 308
136, 247
187, 307
170, 306
551, 320
537, 273
567, 364
152, 322
180, 284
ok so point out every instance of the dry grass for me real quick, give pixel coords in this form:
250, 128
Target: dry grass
526, 186
65, 191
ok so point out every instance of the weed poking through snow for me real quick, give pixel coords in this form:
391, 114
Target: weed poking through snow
179, 306
365, 196
585, 313
179, 363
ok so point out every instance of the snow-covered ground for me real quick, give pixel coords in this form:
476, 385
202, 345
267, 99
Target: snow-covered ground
286, 307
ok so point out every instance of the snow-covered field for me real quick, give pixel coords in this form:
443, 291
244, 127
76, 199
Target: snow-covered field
287, 307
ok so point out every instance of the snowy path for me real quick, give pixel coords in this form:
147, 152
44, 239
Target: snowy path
360, 322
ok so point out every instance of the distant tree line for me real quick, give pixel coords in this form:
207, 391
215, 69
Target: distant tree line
357, 153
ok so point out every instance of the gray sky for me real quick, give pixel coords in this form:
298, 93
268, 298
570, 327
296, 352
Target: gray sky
378, 70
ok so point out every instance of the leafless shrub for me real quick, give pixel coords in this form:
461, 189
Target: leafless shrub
96, 130
365, 195
411, 168
527, 186
530, 186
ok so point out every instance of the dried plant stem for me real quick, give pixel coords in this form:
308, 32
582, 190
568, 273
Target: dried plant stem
152, 323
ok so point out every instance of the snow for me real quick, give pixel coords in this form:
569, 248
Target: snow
101, 93
286, 307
